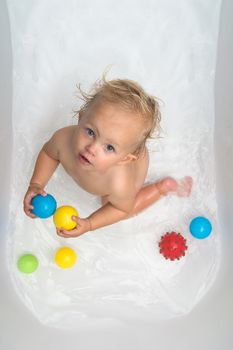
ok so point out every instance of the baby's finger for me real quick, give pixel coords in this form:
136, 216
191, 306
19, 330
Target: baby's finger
29, 197
60, 234
68, 234
29, 213
75, 218
60, 231
43, 193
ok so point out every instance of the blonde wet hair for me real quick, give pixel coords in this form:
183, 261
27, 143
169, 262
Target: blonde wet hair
129, 95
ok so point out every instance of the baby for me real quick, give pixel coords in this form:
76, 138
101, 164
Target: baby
106, 154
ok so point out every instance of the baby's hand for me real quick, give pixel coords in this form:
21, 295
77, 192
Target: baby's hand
32, 191
83, 225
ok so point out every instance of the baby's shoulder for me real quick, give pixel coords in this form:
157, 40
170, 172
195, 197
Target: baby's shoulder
62, 136
58, 141
64, 133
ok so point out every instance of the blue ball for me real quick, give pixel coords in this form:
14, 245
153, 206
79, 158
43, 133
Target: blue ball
44, 206
200, 227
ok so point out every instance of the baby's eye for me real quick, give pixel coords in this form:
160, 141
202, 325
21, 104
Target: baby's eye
90, 132
110, 148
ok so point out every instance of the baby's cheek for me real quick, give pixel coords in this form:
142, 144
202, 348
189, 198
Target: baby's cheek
78, 140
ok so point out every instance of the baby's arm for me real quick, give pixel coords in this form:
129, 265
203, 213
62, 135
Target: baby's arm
115, 210
44, 168
111, 213
46, 163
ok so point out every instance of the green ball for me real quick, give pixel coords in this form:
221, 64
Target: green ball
27, 263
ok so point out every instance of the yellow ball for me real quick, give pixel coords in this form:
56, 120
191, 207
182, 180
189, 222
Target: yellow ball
62, 217
65, 257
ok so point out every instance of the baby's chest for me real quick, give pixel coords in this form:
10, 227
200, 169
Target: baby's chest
96, 185
92, 183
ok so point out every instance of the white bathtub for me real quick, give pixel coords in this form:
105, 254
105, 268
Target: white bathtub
209, 325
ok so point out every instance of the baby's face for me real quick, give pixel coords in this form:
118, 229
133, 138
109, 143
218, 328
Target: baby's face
106, 136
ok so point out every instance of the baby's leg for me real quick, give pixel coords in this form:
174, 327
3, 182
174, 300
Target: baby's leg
151, 193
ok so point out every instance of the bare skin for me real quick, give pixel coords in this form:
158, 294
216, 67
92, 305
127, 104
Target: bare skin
102, 160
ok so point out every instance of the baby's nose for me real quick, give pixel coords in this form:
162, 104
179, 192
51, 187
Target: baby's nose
92, 149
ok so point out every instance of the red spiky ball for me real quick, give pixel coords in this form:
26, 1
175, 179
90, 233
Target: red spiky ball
172, 245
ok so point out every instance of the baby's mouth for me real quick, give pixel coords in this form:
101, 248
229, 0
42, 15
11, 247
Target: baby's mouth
83, 160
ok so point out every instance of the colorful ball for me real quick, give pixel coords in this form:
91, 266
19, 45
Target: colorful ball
27, 263
200, 227
62, 217
65, 257
44, 206
172, 246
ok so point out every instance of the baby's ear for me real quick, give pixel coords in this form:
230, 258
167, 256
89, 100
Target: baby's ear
129, 158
